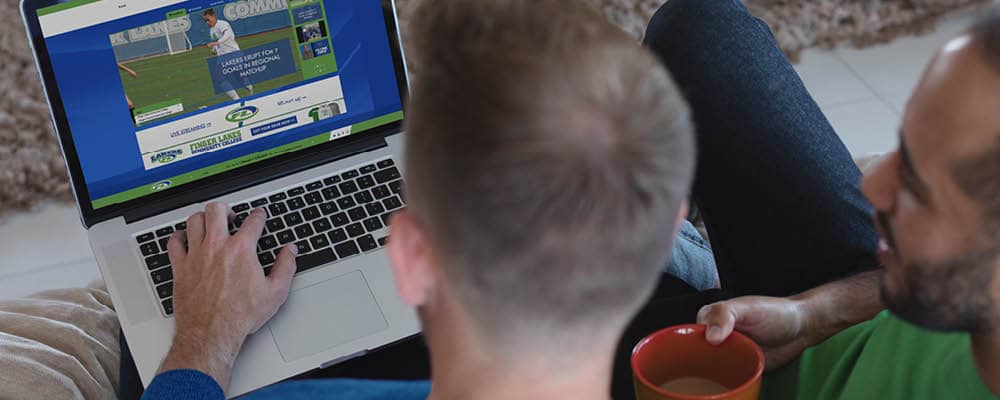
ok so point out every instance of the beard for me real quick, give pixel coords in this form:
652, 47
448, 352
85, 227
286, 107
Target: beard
952, 295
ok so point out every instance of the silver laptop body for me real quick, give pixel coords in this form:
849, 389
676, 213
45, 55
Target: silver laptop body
337, 309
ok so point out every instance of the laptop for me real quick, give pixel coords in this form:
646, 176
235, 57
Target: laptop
295, 106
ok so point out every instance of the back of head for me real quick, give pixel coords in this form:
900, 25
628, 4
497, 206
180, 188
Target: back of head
547, 157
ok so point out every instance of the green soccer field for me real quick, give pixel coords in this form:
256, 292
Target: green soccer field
186, 76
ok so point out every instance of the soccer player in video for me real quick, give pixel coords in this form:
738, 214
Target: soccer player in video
225, 42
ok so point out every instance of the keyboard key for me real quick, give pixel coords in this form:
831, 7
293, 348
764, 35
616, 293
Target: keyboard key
346, 202
310, 261
168, 306
258, 203
386, 218
265, 258
165, 231
367, 243
293, 219
357, 214
374, 208
277, 209
181, 226
392, 203
240, 219
339, 219
313, 198
145, 237
241, 208
296, 203
157, 261
149, 249
311, 213
347, 249
296, 192
319, 241
162, 275
275, 224
314, 186
338, 236
165, 290
373, 224
303, 231
330, 193
386, 163
366, 182
322, 225
348, 187
303, 246
267, 270
367, 169
363, 197
355, 230
381, 192
286, 237
163, 243
328, 208
383, 241
277, 197
267, 243
396, 186
386, 175
333, 180
349, 175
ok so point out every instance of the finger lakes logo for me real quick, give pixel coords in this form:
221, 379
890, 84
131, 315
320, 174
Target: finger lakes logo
242, 114
166, 157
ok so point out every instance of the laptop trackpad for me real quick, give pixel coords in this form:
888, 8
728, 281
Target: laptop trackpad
326, 315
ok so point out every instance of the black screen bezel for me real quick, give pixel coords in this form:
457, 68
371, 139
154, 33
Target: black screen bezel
216, 185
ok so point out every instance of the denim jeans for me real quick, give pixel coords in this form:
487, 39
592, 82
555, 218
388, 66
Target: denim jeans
778, 190
692, 260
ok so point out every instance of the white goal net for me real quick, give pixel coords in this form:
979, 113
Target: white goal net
177, 38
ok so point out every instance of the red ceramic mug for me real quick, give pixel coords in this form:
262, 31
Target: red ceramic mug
678, 363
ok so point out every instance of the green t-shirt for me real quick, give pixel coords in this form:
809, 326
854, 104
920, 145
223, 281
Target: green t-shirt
885, 358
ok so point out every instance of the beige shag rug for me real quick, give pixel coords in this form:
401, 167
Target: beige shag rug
31, 167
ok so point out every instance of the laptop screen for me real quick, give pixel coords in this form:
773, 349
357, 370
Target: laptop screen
159, 94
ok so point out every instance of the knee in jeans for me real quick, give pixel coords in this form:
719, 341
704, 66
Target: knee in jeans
675, 17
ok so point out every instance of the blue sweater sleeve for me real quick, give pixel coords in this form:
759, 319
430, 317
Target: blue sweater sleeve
185, 384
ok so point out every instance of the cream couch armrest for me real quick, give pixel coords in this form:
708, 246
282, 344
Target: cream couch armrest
59, 344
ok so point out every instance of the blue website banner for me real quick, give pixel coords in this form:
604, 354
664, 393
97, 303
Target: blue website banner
307, 13
254, 65
320, 48
274, 125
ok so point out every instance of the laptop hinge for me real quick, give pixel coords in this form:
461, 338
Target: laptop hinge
195, 194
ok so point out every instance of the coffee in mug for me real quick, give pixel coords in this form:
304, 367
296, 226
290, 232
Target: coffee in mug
695, 386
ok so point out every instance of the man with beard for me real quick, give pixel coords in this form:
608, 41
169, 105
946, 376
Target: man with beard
937, 201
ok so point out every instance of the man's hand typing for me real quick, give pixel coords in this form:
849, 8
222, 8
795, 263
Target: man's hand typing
221, 294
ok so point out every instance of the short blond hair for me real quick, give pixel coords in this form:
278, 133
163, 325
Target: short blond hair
547, 156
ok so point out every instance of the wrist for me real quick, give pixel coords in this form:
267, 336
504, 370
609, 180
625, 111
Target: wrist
813, 319
212, 352
208, 340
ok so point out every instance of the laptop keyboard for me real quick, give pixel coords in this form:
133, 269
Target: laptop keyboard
330, 219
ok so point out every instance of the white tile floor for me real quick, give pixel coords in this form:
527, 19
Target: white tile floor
862, 92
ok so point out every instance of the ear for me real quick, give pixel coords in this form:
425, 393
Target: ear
412, 259
682, 214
